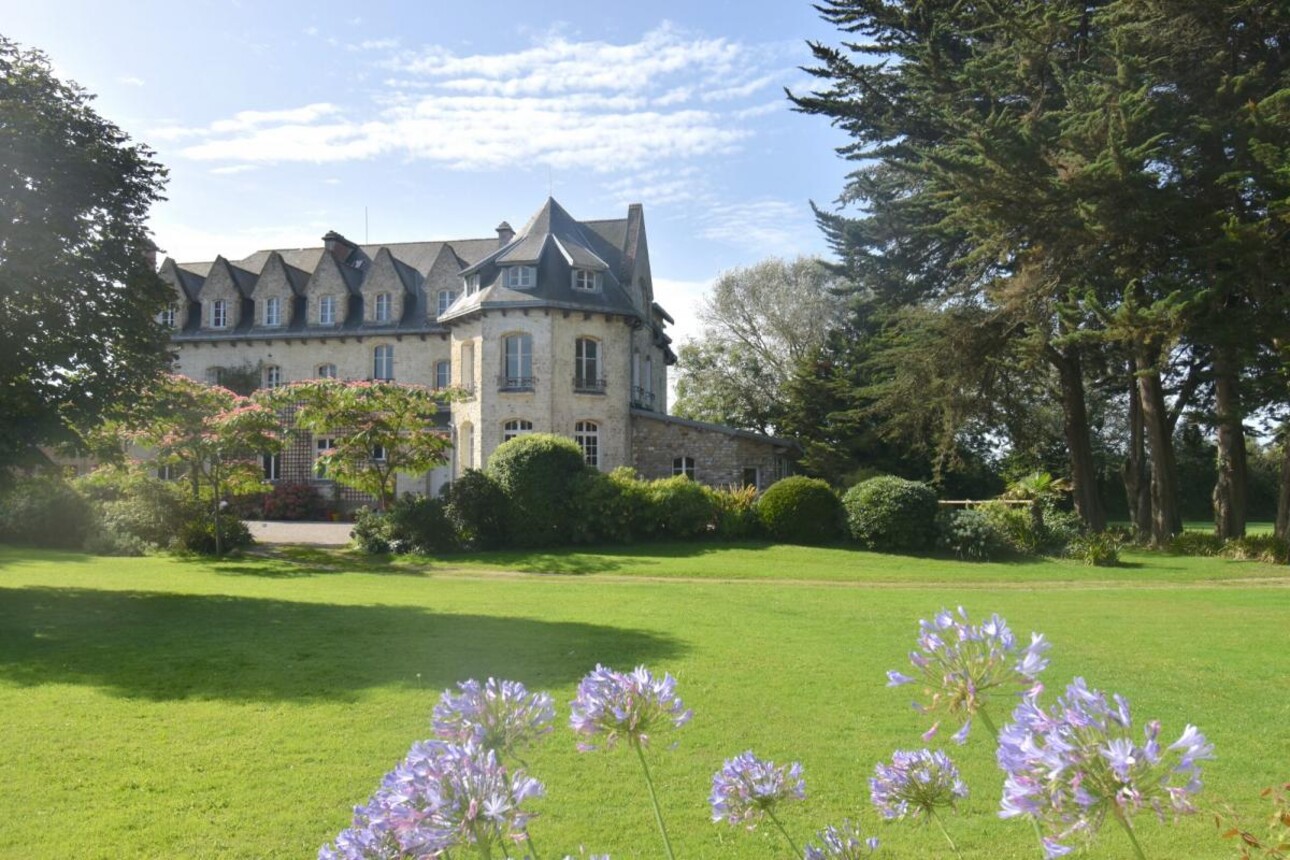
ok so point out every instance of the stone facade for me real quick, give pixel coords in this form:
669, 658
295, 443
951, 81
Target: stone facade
551, 329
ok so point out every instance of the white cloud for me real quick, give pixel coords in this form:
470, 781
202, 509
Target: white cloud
773, 227
130, 81
187, 243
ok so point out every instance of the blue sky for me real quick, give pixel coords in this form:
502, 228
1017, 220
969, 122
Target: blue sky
282, 120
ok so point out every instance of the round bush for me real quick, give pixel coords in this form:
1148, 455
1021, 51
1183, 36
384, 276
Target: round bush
891, 513
971, 535
539, 473
477, 510
420, 524
801, 510
678, 508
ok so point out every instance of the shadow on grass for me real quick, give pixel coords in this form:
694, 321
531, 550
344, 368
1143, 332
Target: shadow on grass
582, 560
167, 647
291, 562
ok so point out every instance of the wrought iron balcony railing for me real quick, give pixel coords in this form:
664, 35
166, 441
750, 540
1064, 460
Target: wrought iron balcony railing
642, 399
585, 385
516, 383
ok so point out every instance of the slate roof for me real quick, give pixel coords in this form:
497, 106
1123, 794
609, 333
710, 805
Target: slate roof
552, 240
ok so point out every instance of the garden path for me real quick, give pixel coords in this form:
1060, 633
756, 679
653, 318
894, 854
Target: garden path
304, 534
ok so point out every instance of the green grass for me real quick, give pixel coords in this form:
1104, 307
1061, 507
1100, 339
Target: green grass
170, 708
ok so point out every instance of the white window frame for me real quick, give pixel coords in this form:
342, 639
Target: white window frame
516, 427
445, 300
321, 444
272, 376
382, 307
587, 435
378, 454
219, 313
327, 371
586, 280
520, 277
521, 357
273, 311
383, 354
169, 315
586, 363
442, 373
472, 284
272, 464
326, 310
683, 465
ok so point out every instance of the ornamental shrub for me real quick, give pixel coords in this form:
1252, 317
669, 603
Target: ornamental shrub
1017, 526
969, 535
539, 474
293, 502
370, 532
890, 513
419, 524
476, 507
134, 510
197, 534
1202, 544
1269, 549
677, 509
800, 510
45, 512
609, 506
736, 515
1099, 549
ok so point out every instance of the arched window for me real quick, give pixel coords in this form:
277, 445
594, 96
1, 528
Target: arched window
381, 309
516, 427
383, 362
272, 376
586, 366
587, 435
517, 363
442, 374
327, 371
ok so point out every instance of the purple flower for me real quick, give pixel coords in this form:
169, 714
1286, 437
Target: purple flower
625, 706
501, 716
1071, 766
961, 666
747, 787
916, 782
841, 843
440, 796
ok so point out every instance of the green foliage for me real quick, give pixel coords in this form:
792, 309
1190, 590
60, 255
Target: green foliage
370, 533
804, 510
677, 508
970, 535
420, 524
736, 513
889, 513
540, 474
44, 512
609, 506
1203, 544
476, 507
1269, 549
197, 534
1027, 535
1098, 549
79, 295
293, 501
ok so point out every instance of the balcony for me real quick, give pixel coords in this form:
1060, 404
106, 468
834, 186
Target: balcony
642, 399
516, 383
583, 385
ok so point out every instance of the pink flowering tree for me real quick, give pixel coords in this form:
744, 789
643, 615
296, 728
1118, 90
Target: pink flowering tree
381, 429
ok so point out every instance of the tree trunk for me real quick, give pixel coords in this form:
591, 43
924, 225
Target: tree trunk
1283, 499
1137, 480
1230, 491
1078, 438
1166, 521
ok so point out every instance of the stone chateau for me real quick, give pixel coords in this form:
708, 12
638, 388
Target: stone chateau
552, 329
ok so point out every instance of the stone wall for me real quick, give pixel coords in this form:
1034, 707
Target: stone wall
722, 456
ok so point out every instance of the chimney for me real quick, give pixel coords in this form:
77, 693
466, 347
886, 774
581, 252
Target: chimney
338, 246
504, 234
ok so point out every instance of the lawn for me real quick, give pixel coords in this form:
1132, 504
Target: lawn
170, 708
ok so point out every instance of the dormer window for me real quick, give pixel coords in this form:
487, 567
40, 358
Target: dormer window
327, 310
381, 311
168, 316
521, 277
446, 298
273, 311
219, 314
586, 280
472, 284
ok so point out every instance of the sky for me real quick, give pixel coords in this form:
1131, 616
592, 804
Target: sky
393, 122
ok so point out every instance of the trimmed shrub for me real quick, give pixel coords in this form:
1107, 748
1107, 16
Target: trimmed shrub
800, 510
370, 533
678, 509
539, 474
1203, 544
419, 524
608, 506
293, 502
1099, 549
969, 535
476, 507
45, 512
736, 513
197, 534
890, 513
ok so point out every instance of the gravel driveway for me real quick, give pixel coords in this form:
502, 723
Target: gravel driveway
305, 534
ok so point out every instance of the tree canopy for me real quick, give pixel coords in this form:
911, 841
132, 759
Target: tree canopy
79, 294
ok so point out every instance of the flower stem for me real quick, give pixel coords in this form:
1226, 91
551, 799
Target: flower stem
530, 848
658, 812
1128, 828
791, 844
989, 724
932, 814
994, 733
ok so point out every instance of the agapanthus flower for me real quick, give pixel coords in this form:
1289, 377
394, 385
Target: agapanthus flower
629, 706
917, 782
1072, 765
501, 716
841, 843
440, 796
961, 666
747, 788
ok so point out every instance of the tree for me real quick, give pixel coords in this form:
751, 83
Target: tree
381, 430
759, 324
79, 294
